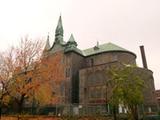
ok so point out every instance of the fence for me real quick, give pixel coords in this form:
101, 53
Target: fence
59, 110
74, 110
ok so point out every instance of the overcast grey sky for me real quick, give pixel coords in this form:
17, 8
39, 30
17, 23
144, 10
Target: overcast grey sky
127, 23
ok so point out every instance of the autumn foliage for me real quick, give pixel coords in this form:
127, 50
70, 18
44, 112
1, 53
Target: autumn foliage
53, 71
27, 76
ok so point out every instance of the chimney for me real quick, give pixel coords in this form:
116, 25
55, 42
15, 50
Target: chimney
143, 57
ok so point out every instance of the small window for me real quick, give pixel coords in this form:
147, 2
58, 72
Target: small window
92, 62
62, 88
68, 72
98, 92
85, 90
115, 58
103, 90
92, 92
149, 109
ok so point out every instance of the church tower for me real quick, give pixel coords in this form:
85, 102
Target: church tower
59, 32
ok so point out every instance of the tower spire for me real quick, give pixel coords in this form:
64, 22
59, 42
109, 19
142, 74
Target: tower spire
71, 42
47, 46
71, 39
59, 31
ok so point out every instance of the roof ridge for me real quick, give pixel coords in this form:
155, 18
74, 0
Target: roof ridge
106, 47
117, 46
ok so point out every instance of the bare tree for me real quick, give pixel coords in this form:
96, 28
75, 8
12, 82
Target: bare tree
6, 69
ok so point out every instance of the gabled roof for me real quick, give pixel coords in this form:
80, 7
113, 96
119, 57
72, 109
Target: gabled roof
108, 47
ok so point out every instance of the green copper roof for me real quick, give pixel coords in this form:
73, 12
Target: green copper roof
108, 47
59, 29
59, 32
74, 50
72, 46
71, 41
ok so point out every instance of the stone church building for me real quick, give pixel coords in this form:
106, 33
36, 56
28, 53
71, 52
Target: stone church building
84, 71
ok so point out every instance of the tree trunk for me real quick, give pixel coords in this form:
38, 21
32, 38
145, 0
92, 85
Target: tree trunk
1, 106
114, 112
20, 104
0, 109
20, 107
134, 113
